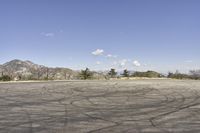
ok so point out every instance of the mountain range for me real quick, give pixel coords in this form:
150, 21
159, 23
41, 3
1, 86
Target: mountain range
27, 70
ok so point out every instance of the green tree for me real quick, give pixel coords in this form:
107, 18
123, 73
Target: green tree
86, 74
195, 74
149, 74
170, 75
178, 75
5, 78
112, 73
126, 73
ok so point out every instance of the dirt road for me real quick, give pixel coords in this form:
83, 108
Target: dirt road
137, 106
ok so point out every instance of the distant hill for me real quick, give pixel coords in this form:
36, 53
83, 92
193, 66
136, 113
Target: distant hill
27, 70
149, 74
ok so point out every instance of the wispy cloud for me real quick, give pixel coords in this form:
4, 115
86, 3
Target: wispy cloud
114, 63
123, 62
111, 56
145, 65
49, 34
98, 62
98, 52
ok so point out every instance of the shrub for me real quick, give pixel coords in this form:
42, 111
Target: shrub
149, 74
86, 74
46, 78
5, 78
195, 74
178, 75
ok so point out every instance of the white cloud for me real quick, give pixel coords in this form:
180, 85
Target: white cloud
123, 62
136, 63
111, 56
98, 52
50, 34
114, 63
98, 62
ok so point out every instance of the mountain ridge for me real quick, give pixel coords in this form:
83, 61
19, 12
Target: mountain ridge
27, 70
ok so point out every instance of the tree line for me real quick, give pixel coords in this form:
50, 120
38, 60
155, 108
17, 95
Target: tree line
112, 73
193, 74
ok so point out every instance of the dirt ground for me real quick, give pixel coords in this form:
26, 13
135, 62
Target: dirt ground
133, 106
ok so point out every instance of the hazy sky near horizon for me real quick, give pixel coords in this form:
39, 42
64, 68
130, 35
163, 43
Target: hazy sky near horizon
161, 35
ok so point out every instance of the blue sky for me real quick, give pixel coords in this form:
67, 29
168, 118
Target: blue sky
161, 35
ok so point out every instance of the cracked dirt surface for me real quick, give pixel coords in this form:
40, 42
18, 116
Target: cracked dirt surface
135, 106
